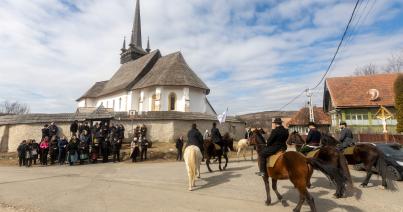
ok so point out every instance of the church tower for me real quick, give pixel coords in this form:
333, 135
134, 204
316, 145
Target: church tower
135, 49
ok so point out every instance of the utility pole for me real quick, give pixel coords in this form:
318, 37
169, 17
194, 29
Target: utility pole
309, 95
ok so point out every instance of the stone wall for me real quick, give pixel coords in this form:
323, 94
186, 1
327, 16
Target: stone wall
157, 131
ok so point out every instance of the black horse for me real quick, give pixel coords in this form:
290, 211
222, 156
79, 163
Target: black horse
211, 151
367, 154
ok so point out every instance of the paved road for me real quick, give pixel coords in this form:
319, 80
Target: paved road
163, 187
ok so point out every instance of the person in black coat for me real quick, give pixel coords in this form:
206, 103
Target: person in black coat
275, 143
21, 153
74, 128
35, 151
116, 145
195, 138
72, 149
45, 131
53, 130
216, 136
144, 147
346, 136
179, 148
312, 140
62, 144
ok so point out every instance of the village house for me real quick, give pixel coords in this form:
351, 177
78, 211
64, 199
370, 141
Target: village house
299, 122
365, 103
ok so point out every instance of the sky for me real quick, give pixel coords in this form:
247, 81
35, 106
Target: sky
255, 55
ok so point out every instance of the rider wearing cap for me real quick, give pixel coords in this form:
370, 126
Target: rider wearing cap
346, 136
275, 143
312, 140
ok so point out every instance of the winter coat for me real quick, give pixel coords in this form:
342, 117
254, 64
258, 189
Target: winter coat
278, 138
195, 138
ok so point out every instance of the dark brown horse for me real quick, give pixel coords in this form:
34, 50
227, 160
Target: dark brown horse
211, 151
298, 169
328, 154
367, 154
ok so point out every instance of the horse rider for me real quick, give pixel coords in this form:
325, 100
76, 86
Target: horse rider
195, 138
216, 136
275, 143
312, 140
346, 136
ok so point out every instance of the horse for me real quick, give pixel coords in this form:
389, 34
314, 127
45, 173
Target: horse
367, 154
296, 139
211, 151
328, 154
298, 169
192, 157
242, 146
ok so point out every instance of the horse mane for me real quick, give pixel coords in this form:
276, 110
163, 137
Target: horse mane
295, 138
328, 140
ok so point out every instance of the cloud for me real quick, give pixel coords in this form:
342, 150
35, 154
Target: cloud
254, 55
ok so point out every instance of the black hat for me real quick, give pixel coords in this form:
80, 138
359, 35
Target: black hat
278, 120
311, 123
343, 123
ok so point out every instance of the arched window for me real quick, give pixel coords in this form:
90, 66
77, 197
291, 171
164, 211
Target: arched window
172, 102
153, 105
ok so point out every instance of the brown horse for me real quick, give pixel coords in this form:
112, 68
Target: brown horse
367, 154
211, 151
328, 154
298, 169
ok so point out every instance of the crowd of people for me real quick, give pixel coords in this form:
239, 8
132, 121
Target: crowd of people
139, 144
86, 144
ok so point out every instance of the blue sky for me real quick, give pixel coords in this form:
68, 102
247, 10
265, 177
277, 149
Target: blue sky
254, 55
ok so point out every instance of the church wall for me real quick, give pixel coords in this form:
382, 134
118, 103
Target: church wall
178, 91
197, 100
107, 101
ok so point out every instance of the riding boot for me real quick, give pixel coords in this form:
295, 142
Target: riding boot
262, 167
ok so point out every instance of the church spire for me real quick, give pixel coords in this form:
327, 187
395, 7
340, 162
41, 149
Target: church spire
148, 45
136, 31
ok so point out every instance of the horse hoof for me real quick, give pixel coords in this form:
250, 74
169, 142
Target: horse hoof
337, 196
295, 210
268, 202
363, 185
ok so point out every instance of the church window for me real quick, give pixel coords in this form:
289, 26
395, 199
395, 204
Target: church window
153, 103
172, 102
120, 103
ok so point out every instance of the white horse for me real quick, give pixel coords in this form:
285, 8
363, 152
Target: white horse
192, 157
242, 146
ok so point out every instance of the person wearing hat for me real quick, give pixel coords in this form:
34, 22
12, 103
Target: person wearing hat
346, 136
275, 143
216, 136
195, 137
312, 140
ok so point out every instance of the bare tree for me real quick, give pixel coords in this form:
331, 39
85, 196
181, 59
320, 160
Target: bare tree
369, 69
7, 107
395, 63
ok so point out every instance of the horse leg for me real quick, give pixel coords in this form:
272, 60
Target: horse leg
308, 179
267, 186
219, 163
237, 154
311, 202
368, 167
302, 195
251, 157
208, 164
274, 187
226, 161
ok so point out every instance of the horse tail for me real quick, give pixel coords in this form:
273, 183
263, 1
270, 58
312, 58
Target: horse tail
331, 172
383, 171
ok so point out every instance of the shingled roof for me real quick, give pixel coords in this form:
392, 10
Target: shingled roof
171, 69
301, 118
353, 91
149, 70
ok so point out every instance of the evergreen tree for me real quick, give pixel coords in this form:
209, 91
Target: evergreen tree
398, 86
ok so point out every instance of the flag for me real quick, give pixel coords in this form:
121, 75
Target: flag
222, 117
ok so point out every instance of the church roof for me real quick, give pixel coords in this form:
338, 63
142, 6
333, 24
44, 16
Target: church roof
171, 70
149, 70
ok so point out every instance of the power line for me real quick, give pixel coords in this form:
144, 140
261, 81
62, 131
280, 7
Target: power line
331, 62
338, 47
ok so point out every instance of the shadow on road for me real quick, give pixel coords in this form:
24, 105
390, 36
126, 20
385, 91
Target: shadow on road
325, 183
223, 177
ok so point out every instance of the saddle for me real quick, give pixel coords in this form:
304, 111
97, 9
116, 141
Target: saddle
312, 153
271, 161
217, 147
349, 150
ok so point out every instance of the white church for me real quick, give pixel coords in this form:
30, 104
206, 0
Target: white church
147, 81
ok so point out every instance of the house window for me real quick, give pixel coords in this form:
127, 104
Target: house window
120, 103
357, 119
172, 102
